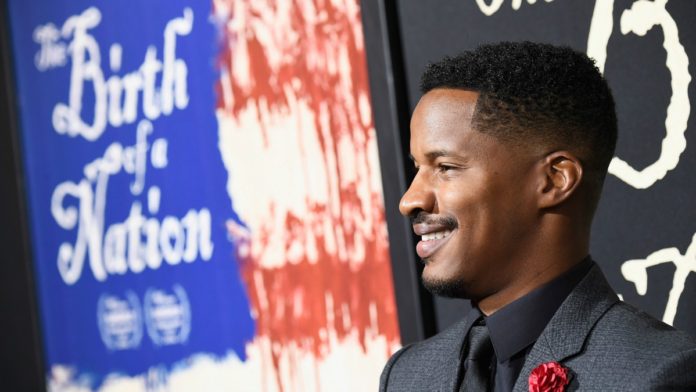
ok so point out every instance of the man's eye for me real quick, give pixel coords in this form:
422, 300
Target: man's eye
445, 168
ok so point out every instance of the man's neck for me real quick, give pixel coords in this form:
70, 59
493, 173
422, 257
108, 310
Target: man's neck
532, 279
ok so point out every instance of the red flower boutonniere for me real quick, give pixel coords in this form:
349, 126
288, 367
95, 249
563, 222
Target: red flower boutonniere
548, 377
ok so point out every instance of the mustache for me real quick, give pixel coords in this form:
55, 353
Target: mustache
432, 219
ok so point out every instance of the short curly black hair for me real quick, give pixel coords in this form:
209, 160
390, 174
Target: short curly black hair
536, 93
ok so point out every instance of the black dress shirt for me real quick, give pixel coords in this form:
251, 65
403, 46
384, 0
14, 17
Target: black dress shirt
515, 328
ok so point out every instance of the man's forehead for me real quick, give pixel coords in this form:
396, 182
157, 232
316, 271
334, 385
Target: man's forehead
441, 123
444, 110
452, 101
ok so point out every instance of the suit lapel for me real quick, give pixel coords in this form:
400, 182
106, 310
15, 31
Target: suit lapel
565, 334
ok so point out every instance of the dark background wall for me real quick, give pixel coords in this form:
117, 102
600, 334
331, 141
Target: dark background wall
20, 349
639, 214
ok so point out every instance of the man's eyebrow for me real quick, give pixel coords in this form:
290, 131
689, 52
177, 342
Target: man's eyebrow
432, 155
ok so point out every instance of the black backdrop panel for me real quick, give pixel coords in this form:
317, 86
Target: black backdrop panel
643, 236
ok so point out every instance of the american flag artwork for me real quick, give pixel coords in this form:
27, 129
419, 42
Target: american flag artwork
297, 136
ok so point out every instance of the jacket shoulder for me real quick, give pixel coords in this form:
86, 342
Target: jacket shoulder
630, 350
628, 327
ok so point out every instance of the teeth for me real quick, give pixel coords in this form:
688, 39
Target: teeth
436, 236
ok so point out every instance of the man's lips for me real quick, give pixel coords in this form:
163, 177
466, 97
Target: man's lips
432, 238
430, 243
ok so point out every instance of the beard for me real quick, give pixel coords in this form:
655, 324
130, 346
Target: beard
448, 288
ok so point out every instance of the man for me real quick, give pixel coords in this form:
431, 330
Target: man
511, 143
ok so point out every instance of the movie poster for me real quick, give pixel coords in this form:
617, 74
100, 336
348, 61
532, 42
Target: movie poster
204, 195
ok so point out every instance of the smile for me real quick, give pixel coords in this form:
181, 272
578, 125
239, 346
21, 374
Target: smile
431, 243
436, 236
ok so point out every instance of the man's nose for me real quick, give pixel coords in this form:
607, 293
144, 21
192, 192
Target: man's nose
418, 196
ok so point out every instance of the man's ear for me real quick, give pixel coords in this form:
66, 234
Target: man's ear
563, 173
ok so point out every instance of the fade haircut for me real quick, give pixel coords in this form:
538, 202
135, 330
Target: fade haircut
533, 94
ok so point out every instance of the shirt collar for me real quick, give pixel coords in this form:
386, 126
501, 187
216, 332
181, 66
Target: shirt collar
518, 325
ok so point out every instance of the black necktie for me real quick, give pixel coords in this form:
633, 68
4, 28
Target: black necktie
477, 363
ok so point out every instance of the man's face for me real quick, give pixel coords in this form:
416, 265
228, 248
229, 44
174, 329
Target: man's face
472, 199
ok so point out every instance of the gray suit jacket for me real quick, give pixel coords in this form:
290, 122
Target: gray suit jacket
606, 344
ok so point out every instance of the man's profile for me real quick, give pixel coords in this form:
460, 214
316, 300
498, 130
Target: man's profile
511, 143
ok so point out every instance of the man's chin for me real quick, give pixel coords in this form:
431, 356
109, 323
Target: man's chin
445, 288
